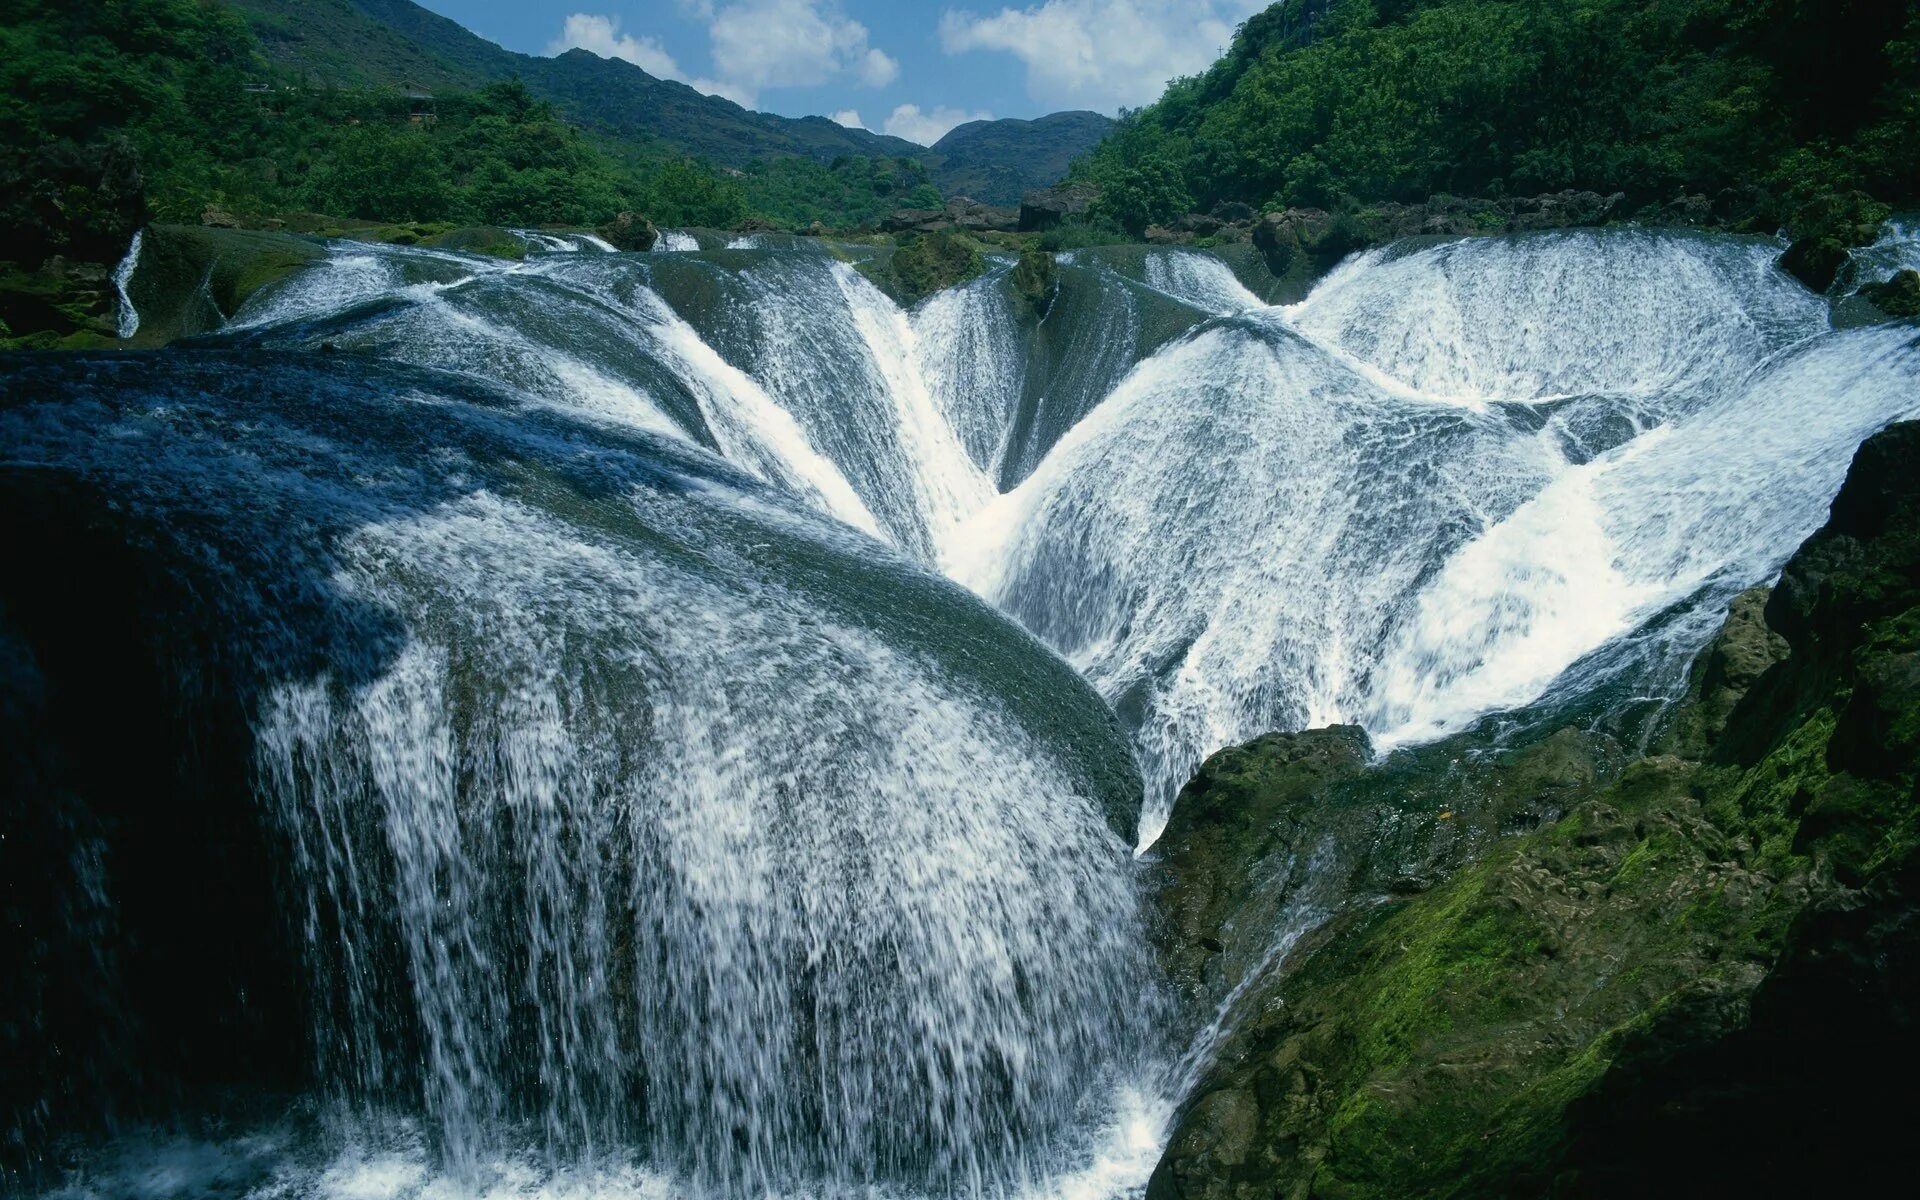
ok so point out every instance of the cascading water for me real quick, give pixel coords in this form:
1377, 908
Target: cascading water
628, 805
1254, 530
645, 809
126, 316
1897, 249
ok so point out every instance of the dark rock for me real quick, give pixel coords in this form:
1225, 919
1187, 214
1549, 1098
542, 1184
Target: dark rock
1288, 238
215, 217
1896, 297
1815, 261
630, 231
1048, 208
1229, 212
1036, 280
81, 202
903, 220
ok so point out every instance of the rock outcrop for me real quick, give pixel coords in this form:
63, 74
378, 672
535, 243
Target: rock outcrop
630, 231
1049, 208
1896, 297
1696, 976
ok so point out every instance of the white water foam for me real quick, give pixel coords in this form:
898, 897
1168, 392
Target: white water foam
126, 315
1896, 250
1200, 280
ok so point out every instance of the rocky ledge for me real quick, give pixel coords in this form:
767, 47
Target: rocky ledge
1539, 972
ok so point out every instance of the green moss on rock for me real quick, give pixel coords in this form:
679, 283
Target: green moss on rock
1691, 983
483, 239
190, 279
925, 264
1896, 297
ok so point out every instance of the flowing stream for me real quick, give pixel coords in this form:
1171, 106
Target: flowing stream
699, 701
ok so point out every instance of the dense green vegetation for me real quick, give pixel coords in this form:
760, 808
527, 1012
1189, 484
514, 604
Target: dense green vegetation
130, 109
180, 82
1319, 102
853, 190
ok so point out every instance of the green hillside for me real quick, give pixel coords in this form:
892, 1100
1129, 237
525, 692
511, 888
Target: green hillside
370, 43
1323, 101
995, 162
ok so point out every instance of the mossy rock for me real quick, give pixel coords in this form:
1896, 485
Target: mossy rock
1696, 982
482, 239
1816, 261
925, 264
1898, 297
1035, 279
60, 306
190, 280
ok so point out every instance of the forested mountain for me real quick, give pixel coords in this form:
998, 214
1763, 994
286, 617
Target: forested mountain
1319, 101
365, 43
996, 161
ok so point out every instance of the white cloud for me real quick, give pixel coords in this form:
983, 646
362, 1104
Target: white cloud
878, 69
850, 117
756, 44
926, 128
1101, 53
601, 35
793, 43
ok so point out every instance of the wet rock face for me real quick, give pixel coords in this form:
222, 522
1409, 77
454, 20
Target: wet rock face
1693, 977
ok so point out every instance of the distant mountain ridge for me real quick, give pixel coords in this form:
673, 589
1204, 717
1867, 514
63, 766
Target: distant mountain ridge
396, 43
370, 43
996, 161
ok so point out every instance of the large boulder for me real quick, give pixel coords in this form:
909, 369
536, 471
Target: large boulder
1288, 238
630, 231
1048, 208
1815, 260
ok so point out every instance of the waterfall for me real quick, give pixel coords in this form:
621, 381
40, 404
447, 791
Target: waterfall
1897, 249
1230, 518
1200, 280
126, 316
657, 820
627, 803
1376, 507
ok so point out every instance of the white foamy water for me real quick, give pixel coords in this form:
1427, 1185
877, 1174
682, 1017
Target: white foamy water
126, 316
670, 845
1262, 530
675, 241
1896, 250
1247, 532
1200, 280
633, 813
1623, 312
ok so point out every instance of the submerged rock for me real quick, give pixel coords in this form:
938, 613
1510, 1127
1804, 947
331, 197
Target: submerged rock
1695, 982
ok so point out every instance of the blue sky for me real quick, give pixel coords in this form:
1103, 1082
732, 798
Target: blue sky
914, 68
